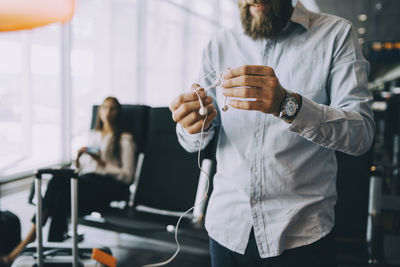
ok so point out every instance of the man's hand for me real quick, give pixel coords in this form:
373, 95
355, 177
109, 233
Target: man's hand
185, 110
252, 81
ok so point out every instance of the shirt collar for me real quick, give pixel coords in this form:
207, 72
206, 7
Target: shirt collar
301, 15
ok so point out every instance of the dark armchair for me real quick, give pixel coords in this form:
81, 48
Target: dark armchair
166, 182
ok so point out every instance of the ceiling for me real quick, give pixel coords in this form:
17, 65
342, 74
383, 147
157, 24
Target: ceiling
382, 24
383, 16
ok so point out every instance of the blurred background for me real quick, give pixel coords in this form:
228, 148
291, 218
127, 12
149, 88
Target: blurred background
141, 51
147, 52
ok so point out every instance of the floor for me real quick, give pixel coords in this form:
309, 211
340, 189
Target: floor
136, 251
129, 250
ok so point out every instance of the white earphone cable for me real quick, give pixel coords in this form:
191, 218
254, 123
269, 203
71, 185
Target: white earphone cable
189, 210
215, 84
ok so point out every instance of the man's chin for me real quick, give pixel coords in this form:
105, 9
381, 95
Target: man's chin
256, 17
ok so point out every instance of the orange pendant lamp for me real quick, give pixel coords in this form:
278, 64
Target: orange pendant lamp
27, 14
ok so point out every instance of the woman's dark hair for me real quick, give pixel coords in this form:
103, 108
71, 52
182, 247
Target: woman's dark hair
116, 127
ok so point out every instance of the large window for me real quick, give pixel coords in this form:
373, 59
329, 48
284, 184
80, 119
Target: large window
141, 51
104, 43
29, 99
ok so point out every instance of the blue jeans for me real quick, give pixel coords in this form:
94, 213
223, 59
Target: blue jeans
318, 254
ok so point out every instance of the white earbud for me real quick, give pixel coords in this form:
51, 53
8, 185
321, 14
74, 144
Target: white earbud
202, 111
225, 107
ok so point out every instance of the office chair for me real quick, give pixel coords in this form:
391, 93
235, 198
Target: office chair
359, 233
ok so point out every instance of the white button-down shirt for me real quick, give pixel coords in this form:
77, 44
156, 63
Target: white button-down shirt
276, 177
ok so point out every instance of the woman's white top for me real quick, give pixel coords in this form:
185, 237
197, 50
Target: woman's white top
123, 169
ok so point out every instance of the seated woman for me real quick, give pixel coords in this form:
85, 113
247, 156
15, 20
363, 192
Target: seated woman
106, 168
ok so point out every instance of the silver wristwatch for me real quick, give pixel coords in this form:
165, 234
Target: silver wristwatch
289, 107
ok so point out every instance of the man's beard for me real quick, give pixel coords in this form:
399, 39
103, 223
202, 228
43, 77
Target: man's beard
265, 26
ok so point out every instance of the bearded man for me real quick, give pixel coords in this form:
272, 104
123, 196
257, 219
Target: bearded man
297, 84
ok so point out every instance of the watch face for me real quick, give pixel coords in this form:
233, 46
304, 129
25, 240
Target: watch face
290, 108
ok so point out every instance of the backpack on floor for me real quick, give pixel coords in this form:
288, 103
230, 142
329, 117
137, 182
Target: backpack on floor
10, 232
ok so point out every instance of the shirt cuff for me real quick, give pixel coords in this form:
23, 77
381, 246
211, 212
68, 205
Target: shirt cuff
308, 119
191, 142
183, 132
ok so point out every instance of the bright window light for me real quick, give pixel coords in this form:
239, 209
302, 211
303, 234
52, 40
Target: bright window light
142, 52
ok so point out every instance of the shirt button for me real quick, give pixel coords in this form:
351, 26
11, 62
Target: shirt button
254, 169
253, 201
257, 134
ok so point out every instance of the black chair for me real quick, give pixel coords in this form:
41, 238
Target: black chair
169, 175
359, 233
165, 185
134, 120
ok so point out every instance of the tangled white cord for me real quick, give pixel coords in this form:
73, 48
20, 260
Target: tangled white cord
216, 83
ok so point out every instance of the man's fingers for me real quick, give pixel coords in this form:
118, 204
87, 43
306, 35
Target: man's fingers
247, 105
256, 70
186, 97
186, 108
247, 80
194, 116
190, 119
244, 92
196, 127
